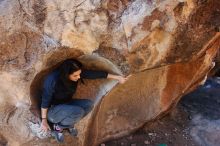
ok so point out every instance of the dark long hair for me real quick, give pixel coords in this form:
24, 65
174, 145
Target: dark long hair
68, 67
64, 86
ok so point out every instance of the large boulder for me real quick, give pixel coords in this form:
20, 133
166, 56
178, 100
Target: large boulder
167, 46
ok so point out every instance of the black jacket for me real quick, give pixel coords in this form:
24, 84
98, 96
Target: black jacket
56, 91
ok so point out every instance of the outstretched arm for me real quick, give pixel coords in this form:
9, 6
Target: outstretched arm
92, 74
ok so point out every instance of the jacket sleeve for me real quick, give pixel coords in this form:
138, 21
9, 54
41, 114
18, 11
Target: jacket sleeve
93, 74
48, 90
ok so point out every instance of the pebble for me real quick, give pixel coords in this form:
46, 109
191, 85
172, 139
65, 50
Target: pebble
130, 137
146, 142
102, 144
152, 134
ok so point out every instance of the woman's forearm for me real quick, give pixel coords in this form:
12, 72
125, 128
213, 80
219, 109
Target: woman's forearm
44, 113
111, 76
44, 124
121, 79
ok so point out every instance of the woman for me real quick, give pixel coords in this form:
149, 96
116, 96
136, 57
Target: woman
57, 105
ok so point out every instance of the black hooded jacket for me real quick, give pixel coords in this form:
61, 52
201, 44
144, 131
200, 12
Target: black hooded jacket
56, 91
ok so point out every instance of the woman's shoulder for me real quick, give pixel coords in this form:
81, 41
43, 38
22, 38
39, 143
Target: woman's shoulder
52, 76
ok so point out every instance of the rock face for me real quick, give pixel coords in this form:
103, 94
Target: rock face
167, 45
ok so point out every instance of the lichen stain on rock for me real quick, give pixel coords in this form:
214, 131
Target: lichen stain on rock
151, 50
188, 75
116, 8
196, 32
116, 57
178, 10
14, 56
177, 84
17, 50
155, 15
3, 141
86, 29
40, 12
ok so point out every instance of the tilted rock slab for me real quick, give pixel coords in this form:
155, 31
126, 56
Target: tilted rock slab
168, 47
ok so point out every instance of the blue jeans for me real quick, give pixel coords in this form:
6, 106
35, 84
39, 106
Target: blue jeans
66, 115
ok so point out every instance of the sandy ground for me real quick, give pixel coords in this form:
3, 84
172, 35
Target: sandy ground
194, 122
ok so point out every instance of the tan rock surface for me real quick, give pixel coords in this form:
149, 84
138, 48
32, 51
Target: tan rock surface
168, 46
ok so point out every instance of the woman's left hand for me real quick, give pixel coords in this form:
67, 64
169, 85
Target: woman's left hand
122, 79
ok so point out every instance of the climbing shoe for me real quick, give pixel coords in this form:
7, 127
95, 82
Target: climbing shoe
58, 136
73, 131
57, 133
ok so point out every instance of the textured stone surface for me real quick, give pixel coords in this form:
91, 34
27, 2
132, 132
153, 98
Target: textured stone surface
168, 46
150, 93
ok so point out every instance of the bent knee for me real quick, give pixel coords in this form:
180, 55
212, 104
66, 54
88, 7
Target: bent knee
89, 104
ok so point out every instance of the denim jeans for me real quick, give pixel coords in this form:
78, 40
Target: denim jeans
66, 115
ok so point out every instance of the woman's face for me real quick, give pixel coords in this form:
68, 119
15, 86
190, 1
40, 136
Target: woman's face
75, 75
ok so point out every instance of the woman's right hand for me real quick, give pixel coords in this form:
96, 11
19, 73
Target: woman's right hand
44, 125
